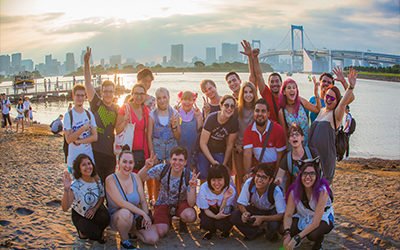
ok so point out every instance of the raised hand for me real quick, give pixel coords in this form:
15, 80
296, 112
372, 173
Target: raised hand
352, 77
256, 52
193, 180
87, 56
67, 180
151, 161
339, 74
246, 48
316, 85
197, 111
174, 121
206, 106
228, 193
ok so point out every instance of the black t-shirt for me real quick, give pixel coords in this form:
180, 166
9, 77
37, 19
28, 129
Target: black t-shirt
106, 117
219, 132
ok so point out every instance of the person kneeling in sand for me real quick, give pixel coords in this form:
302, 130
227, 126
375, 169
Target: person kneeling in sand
177, 192
57, 126
261, 205
86, 195
126, 201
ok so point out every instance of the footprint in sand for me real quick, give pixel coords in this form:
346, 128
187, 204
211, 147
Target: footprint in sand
53, 203
5, 223
23, 211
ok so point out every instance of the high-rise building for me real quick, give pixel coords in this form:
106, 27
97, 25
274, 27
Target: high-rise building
48, 59
16, 62
211, 55
69, 62
177, 54
4, 64
102, 62
115, 60
164, 60
27, 65
230, 52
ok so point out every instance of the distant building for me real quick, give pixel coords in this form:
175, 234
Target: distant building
211, 55
230, 53
176, 55
164, 61
16, 62
5, 64
115, 60
27, 65
102, 62
69, 62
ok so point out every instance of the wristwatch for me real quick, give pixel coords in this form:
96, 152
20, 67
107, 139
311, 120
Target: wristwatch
297, 238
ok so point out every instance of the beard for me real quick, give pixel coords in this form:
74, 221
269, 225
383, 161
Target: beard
260, 123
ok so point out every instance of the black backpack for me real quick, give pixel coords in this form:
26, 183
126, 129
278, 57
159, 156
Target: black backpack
167, 167
65, 145
270, 191
341, 140
352, 126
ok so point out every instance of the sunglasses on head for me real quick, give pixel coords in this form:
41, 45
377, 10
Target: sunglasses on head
227, 105
330, 98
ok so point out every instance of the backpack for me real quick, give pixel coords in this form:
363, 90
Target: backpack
290, 161
167, 167
65, 145
271, 189
352, 126
341, 140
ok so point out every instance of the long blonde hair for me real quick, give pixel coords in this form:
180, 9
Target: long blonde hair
241, 101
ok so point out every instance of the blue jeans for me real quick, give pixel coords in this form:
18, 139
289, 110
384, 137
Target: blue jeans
204, 164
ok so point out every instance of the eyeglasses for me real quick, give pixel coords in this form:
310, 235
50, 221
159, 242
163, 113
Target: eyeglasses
295, 134
329, 97
138, 94
328, 82
262, 177
227, 105
310, 174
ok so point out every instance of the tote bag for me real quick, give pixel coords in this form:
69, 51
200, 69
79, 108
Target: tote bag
126, 136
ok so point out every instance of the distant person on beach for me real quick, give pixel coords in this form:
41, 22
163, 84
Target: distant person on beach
127, 203
347, 128
261, 205
246, 103
80, 128
233, 80
309, 210
289, 166
86, 195
323, 129
145, 77
212, 99
105, 113
218, 137
27, 106
263, 140
326, 80
215, 200
57, 126
177, 191
20, 114
270, 91
5, 110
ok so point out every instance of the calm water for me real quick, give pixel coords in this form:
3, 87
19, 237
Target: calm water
375, 107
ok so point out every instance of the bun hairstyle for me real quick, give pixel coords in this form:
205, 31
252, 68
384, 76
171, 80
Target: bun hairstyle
125, 150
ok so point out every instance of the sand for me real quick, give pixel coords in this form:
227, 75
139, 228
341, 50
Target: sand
367, 203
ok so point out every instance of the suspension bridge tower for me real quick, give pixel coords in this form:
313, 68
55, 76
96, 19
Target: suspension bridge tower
293, 29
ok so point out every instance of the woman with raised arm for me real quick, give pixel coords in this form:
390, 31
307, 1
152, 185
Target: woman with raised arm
86, 195
126, 202
323, 130
293, 106
309, 209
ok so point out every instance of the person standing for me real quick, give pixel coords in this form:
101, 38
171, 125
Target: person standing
80, 128
346, 129
20, 116
212, 99
234, 82
5, 110
145, 77
27, 107
105, 113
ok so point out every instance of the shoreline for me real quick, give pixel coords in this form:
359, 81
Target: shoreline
366, 203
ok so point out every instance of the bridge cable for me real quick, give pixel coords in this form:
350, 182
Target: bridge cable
279, 44
314, 47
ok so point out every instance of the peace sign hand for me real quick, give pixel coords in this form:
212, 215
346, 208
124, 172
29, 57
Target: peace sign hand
193, 180
206, 106
197, 111
150, 162
87, 55
246, 47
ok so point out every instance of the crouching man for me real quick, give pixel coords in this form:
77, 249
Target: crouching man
261, 205
177, 195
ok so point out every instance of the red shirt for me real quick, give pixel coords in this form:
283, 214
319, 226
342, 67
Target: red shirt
254, 140
267, 95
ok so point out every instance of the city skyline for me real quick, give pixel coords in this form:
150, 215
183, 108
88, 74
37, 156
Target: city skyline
145, 32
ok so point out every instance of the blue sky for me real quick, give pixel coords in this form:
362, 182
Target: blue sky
144, 30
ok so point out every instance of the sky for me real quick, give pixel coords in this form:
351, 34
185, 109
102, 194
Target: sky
144, 30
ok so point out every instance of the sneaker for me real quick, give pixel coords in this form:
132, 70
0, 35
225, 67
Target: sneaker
126, 244
207, 236
182, 227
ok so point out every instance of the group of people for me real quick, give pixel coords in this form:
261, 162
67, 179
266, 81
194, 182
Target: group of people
265, 165
24, 113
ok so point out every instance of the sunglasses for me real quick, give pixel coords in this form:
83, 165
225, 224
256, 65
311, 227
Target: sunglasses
310, 174
227, 105
330, 98
262, 177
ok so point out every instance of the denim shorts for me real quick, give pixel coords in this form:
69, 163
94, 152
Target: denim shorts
162, 148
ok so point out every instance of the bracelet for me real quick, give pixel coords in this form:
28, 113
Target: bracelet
297, 238
350, 87
286, 231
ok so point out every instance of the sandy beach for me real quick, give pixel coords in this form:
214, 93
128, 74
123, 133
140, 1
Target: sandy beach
366, 203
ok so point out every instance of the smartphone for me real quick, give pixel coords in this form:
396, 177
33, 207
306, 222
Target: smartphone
227, 210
